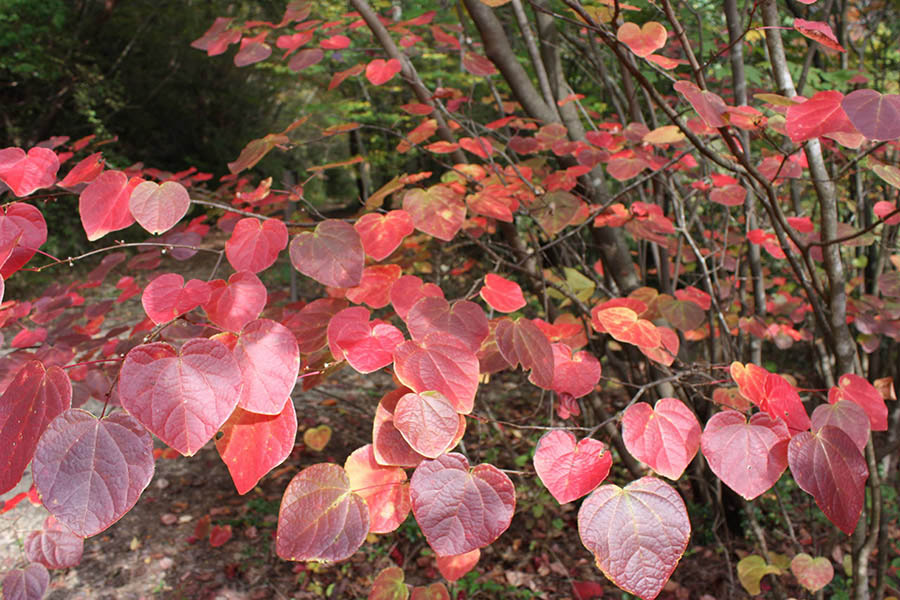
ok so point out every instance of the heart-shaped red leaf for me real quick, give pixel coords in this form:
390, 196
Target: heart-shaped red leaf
645, 40
570, 470
574, 374
253, 50
375, 287
847, 416
772, 393
522, 342
310, 325
502, 294
332, 254
383, 488
439, 362
34, 398
666, 436
381, 234
463, 319
367, 346
637, 533
305, 58
380, 71
234, 304
427, 421
252, 444
90, 472
455, 567
408, 290
267, 354
748, 457
29, 583
856, 389
168, 297
875, 115
219, 535
460, 508
812, 573
158, 207
708, 105
103, 204
388, 445
254, 245
85, 171
477, 64
320, 517
479, 146
435, 591
820, 115
819, 32
388, 585
25, 173
183, 397
54, 546
438, 211
24, 231
829, 466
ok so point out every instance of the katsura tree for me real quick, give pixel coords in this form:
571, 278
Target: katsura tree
653, 208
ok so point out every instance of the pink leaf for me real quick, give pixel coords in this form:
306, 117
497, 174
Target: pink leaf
428, 422
380, 71
408, 290
168, 297
438, 211
460, 508
455, 567
157, 208
382, 234
875, 115
829, 466
389, 448
748, 457
29, 583
502, 294
218, 535
820, 115
104, 204
521, 342
847, 416
439, 362
253, 444
463, 319
856, 389
54, 546
384, 489
254, 245
570, 470
35, 397
666, 436
267, 355
321, 518
90, 472
332, 254
643, 41
24, 231
234, 304
637, 534
575, 375
818, 32
182, 397
25, 173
